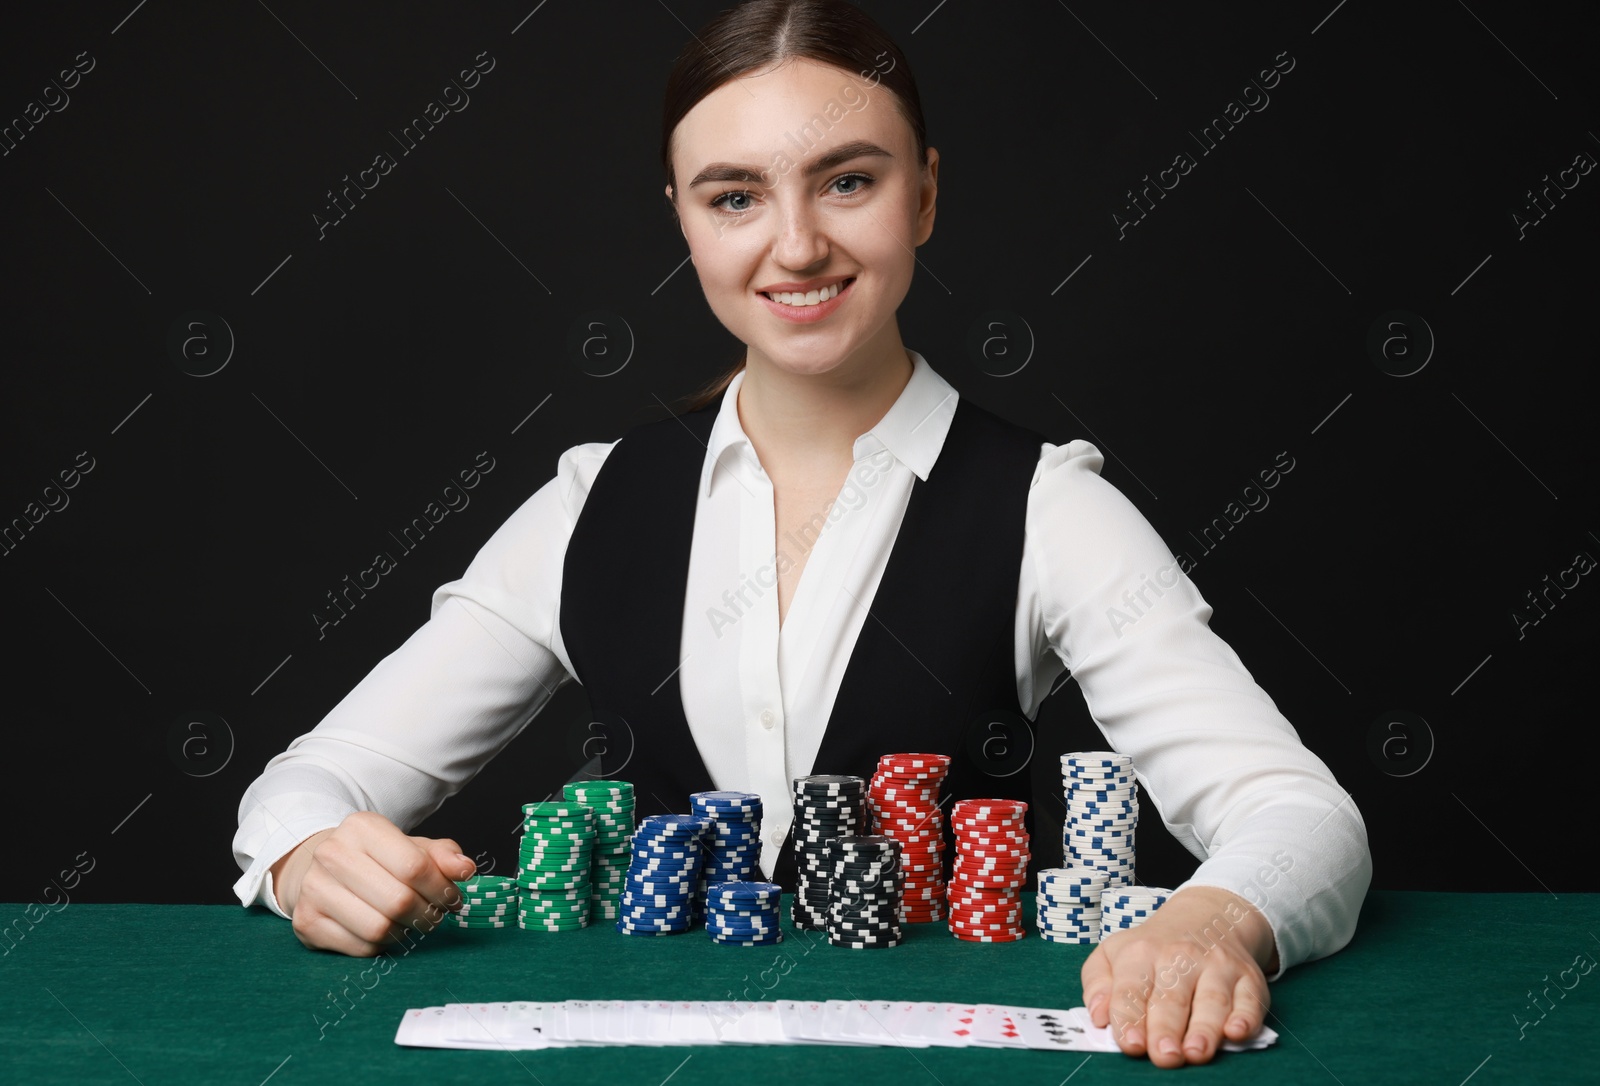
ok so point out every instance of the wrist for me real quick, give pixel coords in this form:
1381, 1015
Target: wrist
290, 869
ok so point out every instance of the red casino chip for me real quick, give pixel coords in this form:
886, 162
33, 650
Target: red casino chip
989, 870
903, 798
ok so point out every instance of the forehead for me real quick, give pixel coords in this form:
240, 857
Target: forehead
800, 104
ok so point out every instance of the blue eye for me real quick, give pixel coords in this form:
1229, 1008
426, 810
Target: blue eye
866, 183
723, 203
720, 203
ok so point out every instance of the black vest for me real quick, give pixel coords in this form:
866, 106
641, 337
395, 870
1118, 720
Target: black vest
931, 671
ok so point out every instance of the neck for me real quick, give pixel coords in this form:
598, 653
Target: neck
813, 419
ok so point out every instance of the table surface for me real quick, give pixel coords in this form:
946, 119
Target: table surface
1426, 992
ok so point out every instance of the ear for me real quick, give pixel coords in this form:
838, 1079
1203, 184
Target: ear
673, 205
928, 197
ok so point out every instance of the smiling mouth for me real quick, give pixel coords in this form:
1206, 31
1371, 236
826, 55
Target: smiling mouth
810, 298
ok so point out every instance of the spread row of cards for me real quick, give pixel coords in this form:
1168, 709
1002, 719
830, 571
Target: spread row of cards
533, 1025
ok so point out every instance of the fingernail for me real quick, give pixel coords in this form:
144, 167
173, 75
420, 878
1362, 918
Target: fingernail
1168, 1046
1097, 1004
464, 858
1238, 1024
1133, 1037
1196, 1046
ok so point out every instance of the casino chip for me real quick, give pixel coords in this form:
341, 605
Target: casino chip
826, 807
1102, 798
864, 887
663, 874
742, 913
903, 796
554, 865
613, 806
991, 866
1068, 904
487, 901
733, 844
1124, 907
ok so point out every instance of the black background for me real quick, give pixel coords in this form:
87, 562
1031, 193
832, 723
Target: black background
1379, 587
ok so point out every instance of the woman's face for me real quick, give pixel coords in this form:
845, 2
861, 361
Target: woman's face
804, 178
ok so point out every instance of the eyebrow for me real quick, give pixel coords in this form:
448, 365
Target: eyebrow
725, 171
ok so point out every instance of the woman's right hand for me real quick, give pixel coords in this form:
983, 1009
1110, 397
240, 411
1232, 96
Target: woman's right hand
356, 887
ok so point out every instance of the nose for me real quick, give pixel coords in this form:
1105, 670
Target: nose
801, 241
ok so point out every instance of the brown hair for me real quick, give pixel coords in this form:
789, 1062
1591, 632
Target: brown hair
758, 33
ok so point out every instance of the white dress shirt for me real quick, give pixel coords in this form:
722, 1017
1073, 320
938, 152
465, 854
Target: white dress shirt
1223, 767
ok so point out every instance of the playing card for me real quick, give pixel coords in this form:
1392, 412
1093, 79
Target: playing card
801, 1020
995, 1028
422, 1027
838, 1022
925, 1021
691, 1025
658, 1026
960, 1023
1041, 1028
759, 1024
639, 1022
909, 1024
866, 1022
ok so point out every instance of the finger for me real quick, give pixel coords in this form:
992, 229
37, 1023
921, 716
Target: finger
410, 863
319, 932
1130, 992
1167, 1015
449, 858
377, 886
1096, 980
1209, 1009
331, 917
1250, 1002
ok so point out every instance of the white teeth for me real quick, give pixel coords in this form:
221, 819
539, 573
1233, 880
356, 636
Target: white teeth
811, 297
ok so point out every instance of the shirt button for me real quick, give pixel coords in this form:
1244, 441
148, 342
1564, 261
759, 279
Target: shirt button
766, 719
777, 837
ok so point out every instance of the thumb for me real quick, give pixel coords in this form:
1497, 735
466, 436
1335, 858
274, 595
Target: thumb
449, 858
1096, 980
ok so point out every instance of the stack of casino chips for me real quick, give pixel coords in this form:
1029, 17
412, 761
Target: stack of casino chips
1069, 904
487, 901
864, 892
1102, 800
658, 894
990, 869
904, 798
826, 807
741, 913
734, 842
553, 867
1124, 907
612, 803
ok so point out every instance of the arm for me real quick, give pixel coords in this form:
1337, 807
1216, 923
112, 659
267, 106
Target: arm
419, 726
1276, 834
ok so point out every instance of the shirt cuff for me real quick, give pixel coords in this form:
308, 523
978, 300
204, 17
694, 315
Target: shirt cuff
254, 887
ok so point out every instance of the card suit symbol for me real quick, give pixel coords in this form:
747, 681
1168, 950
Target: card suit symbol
965, 1021
962, 1032
1009, 1032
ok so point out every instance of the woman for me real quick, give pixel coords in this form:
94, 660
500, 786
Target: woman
797, 166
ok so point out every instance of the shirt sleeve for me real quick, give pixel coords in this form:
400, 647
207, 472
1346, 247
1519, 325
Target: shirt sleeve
432, 713
1103, 597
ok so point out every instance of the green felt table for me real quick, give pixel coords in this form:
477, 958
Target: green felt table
1427, 992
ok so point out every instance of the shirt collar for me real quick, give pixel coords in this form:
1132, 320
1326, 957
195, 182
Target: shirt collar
913, 430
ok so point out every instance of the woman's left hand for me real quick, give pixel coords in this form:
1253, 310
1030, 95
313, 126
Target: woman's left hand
1193, 973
